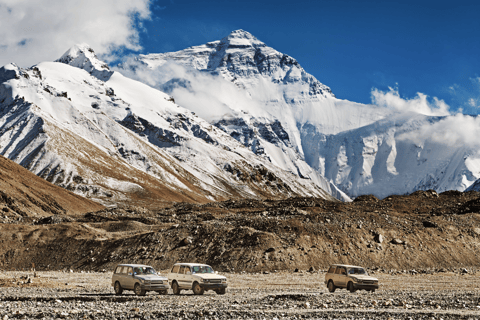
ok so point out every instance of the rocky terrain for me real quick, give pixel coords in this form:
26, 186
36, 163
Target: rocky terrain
279, 295
423, 248
424, 230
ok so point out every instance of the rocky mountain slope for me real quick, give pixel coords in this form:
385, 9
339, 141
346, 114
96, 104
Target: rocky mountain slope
269, 103
24, 196
93, 131
424, 230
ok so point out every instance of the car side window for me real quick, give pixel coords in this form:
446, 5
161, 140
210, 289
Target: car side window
340, 271
125, 270
175, 268
187, 269
331, 270
130, 271
118, 270
182, 269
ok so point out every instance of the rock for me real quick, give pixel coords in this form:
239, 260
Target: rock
296, 270
312, 269
429, 224
396, 241
187, 241
378, 238
270, 250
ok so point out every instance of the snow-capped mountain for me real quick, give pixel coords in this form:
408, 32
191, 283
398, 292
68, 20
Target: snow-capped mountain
91, 130
475, 186
269, 103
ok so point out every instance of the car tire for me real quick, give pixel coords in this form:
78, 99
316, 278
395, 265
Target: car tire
175, 288
197, 289
331, 287
138, 290
350, 287
221, 291
118, 288
372, 290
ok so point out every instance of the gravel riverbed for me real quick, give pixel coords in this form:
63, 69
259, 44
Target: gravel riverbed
276, 295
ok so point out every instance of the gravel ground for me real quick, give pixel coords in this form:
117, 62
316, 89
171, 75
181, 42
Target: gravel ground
282, 295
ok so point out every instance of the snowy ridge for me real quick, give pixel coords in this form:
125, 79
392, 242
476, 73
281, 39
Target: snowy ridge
269, 103
113, 139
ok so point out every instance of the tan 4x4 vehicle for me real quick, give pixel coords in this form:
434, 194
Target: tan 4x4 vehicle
196, 277
352, 278
139, 278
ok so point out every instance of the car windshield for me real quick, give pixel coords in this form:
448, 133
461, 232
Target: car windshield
202, 269
357, 271
144, 270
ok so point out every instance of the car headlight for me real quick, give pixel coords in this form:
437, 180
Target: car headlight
224, 280
142, 281
205, 280
356, 280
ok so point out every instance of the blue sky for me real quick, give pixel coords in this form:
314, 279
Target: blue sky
355, 47
430, 47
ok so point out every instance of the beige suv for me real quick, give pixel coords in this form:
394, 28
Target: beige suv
196, 277
138, 277
352, 278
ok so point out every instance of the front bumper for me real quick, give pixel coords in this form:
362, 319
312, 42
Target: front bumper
155, 287
365, 286
210, 286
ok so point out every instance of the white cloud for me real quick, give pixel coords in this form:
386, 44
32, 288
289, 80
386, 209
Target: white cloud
32, 31
211, 97
456, 130
420, 104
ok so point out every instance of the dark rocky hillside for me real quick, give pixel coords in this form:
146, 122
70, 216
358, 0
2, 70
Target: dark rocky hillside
421, 231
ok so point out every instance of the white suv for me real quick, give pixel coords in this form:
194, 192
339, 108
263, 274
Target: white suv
139, 278
196, 277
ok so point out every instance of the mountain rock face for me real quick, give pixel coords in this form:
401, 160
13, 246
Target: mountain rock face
112, 139
270, 104
474, 186
24, 195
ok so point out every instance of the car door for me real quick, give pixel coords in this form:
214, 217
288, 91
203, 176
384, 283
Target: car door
129, 278
188, 277
181, 277
340, 277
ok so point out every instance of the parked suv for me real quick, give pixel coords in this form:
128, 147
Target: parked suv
196, 277
139, 278
352, 278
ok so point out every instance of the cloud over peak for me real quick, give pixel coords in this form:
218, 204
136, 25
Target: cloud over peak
48, 27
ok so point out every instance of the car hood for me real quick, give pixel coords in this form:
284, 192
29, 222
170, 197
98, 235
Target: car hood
209, 276
363, 277
150, 277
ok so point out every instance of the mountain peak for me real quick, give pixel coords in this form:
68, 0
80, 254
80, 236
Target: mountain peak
241, 34
82, 56
242, 38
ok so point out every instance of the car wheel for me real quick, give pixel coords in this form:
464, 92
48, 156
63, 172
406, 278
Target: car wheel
118, 288
331, 286
372, 290
221, 291
138, 290
350, 287
197, 289
175, 288
162, 292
